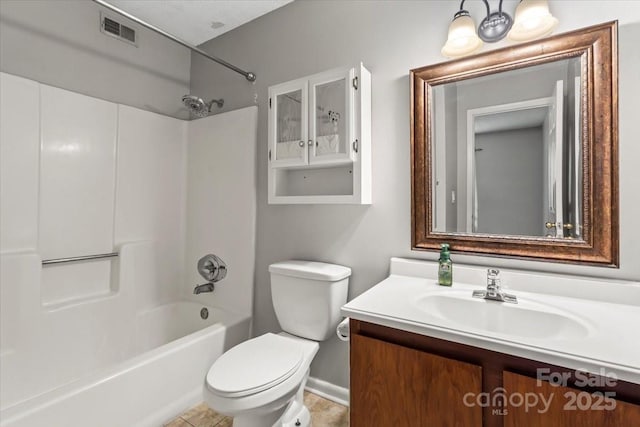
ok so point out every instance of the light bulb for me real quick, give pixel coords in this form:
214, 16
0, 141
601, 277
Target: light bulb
532, 20
462, 39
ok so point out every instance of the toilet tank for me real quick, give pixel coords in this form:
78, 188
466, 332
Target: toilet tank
307, 297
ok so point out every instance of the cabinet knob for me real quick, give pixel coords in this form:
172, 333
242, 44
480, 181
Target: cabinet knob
301, 144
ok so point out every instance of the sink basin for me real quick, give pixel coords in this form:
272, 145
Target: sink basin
525, 319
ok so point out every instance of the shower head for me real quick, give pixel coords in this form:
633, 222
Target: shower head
198, 107
195, 105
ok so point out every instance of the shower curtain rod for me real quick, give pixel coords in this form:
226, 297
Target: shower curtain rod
247, 74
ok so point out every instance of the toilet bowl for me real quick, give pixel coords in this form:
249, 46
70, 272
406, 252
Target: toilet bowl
256, 382
260, 382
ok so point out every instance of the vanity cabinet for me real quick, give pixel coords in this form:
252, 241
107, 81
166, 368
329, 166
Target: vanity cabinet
319, 138
568, 407
406, 379
393, 385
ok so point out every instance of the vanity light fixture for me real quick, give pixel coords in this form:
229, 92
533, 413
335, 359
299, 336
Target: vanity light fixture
532, 20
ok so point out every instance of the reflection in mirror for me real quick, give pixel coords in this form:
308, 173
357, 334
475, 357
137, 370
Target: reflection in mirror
508, 153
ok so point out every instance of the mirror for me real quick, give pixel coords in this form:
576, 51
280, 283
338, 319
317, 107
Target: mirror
507, 152
514, 152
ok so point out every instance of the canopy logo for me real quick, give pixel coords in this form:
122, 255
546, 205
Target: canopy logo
501, 400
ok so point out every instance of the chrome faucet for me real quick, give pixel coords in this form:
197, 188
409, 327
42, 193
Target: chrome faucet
212, 269
494, 291
207, 287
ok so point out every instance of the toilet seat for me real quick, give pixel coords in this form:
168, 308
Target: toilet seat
255, 365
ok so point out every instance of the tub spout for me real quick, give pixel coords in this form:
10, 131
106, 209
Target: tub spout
207, 287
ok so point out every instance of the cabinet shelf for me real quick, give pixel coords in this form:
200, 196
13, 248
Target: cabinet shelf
322, 165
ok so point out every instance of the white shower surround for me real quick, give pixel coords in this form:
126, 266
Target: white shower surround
64, 326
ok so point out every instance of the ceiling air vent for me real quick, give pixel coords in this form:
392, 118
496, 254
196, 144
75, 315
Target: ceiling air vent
113, 28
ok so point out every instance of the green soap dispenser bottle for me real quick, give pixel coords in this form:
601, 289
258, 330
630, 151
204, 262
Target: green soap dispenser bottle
445, 266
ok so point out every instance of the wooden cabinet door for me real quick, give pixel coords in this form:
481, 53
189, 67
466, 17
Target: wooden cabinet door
393, 385
568, 407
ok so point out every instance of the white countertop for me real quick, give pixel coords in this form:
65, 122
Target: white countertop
611, 314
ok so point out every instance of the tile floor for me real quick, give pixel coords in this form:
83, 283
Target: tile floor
324, 413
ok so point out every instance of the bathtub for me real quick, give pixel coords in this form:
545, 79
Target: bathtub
175, 348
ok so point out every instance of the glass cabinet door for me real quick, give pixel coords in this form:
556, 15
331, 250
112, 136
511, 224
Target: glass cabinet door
330, 117
289, 115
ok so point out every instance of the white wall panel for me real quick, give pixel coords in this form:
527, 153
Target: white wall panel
62, 283
19, 154
19, 322
221, 204
77, 174
150, 195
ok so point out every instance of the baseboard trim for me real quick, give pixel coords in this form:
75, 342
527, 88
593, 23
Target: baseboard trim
328, 391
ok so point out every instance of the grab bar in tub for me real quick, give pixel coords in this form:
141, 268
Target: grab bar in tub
78, 258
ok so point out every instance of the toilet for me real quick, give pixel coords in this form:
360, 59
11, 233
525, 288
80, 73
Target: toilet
260, 382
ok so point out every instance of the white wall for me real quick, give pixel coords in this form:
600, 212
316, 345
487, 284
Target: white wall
77, 190
509, 182
58, 42
19, 162
391, 38
151, 197
221, 205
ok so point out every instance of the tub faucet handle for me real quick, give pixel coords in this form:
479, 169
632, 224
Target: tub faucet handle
212, 268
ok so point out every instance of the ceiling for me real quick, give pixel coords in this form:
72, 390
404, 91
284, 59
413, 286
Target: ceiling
196, 21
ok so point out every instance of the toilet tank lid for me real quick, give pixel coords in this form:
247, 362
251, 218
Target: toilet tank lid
311, 270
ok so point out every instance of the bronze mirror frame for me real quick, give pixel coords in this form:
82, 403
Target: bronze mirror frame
599, 122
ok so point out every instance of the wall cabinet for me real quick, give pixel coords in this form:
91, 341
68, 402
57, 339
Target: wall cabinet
319, 138
401, 378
